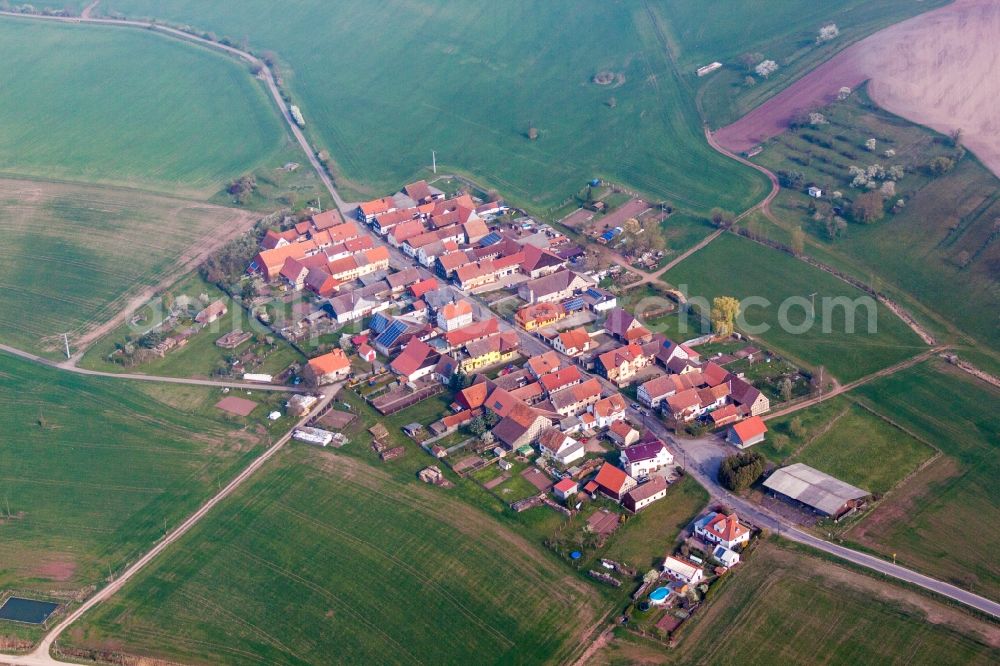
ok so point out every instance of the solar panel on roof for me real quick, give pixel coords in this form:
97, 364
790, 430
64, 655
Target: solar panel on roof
490, 239
391, 334
379, 323
574, 304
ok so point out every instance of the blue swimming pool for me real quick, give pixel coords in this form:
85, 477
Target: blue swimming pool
659, 595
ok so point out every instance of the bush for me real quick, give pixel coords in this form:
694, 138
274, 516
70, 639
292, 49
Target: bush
740, 471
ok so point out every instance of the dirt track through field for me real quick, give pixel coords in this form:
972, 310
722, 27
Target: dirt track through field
936, 69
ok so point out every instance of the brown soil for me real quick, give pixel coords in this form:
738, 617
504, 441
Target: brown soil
936, 69
58, 570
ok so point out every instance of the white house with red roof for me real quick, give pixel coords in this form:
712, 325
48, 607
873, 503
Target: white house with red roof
565, 489
614, 482
644, 459
722, 529
560, 447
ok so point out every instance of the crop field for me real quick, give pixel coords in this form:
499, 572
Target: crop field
789, 607
919, 522
200, 121
939, 249
94, 470
322, 555
734, 266
62, 268
727, 30
371, 103
855, 446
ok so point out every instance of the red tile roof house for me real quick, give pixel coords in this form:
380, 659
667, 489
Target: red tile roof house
554, 287
546, 363
538, 262
454, 316
620, 365
522, 425
683, 406
722, 529
366, 353
682, 357
655, 391
614, 482
575, 399
750, 400
418, 359
328, 368
747, 433
622, 434
725, 416
608, 410
211, 313
553, 444
369, 210
642, 460
565, 489
574, 342
622, 326
642, 496
560, 379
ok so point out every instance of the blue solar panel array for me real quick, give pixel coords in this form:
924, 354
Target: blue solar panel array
490, 239
574, 304
391, 334
379, 323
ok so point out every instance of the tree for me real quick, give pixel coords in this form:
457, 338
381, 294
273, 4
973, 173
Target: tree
722, 218
869, 207
940, 165
242, 188
766, 68
725, 309
786, 389
796, 428
798, 241
749, 81
748, 60
870, 144
828, 32
487, 438
477, 426
740, 471
631, 226
459, 380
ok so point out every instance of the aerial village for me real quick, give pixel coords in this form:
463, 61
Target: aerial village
550, 382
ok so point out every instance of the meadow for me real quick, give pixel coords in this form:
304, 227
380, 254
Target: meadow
468, 80
939, 250
200, 357
147, 111
853, 445
322, 555
788, 606
960, 416
726, 30
62, 268
735, 266
94, 470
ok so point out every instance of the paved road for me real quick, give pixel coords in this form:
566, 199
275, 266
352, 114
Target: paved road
701, 458
70, 367
40, 655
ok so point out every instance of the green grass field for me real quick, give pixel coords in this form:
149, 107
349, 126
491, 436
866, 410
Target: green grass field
792, 608
855, 446
147, 111
93, 470
961, 416
322, 555
62, 268
939, 250
784, 32
734, 266
379, 106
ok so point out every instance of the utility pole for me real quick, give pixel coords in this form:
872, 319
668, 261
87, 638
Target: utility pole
434, 161
66, 344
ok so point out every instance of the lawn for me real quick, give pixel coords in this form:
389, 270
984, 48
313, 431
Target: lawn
938, 249
857, 446
961, 416
734, 266
788, 607
62, 268
200, 357
147, 111
370, 102
646, 538
94, 470
786, 33
323, 555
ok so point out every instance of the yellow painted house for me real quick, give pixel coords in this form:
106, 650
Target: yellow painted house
498, 348
539, 315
